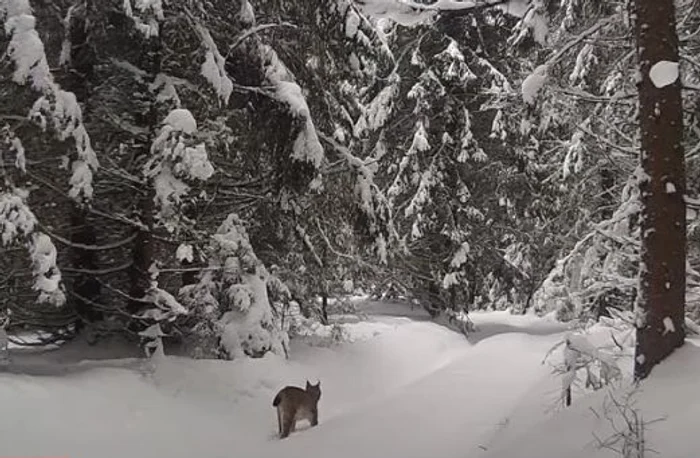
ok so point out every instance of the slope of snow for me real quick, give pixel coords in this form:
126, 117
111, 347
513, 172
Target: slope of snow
669, 396
402, 387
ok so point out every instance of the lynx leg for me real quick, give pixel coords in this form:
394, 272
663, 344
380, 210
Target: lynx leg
279, 420
314, 417
287, 424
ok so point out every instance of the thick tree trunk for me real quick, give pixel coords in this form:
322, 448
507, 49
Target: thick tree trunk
661, 301
78, 80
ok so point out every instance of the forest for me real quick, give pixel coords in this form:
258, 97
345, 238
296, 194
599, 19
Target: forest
218, 178
212, 168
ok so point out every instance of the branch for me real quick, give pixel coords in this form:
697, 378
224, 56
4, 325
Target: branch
105, 271
309, 245
590, 31
451, 7
252, 31
82, 246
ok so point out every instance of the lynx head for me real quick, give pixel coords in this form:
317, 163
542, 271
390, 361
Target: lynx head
314, 390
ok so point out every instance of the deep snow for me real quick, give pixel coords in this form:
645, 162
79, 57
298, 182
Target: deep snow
403, 387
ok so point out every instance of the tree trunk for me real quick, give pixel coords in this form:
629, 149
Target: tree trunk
143, 250
324, 307
85, 285
78, 79
142, 254
661, 300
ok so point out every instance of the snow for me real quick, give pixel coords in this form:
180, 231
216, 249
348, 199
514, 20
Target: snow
166, 306
307, 146
664, 73
16, 219
667, 395
376, 114
517, 8
173, 159
414, 12
214, 66
377, 390
533, 84
399, 385
397, 11
668, 325
247, 13
152, 9
30, 65
20, 154
18, 223
538, 25
461, 256
184, 252
231, 296
47, 276
182, 120
670, 188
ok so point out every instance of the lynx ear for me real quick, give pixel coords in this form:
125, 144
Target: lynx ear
318, 383
308, 385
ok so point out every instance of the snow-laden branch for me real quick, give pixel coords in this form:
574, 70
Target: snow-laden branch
307, 146
174, 158
214, 66
18, 222
253, 30
55, 106
411, 12
150, 13
536, 81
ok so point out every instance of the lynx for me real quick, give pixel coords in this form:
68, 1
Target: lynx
295, 404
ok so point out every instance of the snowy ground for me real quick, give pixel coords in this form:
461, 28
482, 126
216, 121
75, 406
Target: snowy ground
404, 387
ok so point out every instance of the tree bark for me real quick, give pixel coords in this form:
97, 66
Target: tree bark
143, 249
78, 80
661, 302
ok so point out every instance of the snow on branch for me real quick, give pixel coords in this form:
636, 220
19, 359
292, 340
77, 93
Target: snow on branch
18, 222
537, 80
166, 307
412, 12
149, 13
57, 106
214, 66
375, 115
14, 144
373, 203
232, 295
307, 146
176, 157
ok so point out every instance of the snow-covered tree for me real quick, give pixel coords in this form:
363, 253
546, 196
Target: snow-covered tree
231, 298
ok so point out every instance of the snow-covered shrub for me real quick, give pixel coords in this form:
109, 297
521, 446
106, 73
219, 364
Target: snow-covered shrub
597, 355
317, 334
231, 298
344, 305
